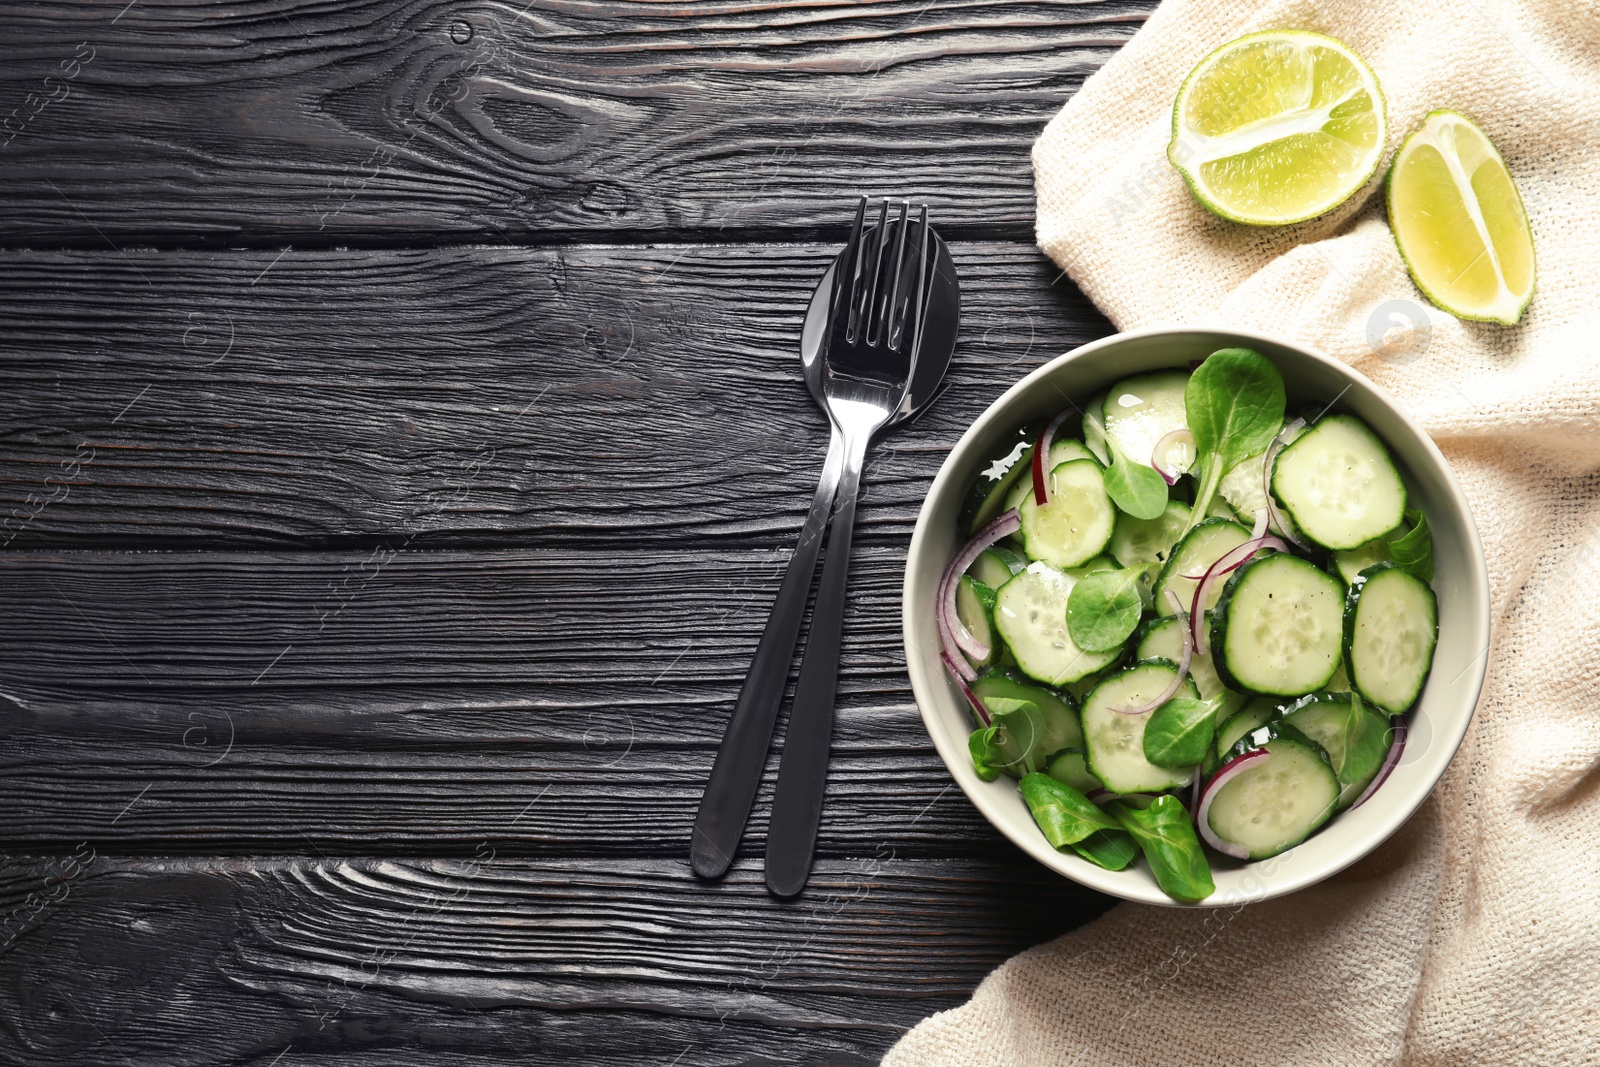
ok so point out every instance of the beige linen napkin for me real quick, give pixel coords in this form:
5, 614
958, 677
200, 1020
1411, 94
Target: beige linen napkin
1472, 936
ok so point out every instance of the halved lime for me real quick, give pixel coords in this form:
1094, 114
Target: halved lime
1459, 221
1277, 127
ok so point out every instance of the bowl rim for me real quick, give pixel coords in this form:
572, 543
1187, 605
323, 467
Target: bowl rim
1117, 883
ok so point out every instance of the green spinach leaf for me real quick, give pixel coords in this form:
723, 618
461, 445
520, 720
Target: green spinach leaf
1166, 835
1365, 736
1413, 550
1103, 608
1179, 732
980, 747
1070, 767
1234, 404
1013, 742
1134, 487
1064, 815
1111, 849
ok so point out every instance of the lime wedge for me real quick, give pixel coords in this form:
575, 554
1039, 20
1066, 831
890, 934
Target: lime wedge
1277, 127
1458, 219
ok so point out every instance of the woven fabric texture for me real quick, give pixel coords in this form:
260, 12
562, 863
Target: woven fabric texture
1472, 936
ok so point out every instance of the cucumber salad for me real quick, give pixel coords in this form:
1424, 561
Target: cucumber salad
1194, 630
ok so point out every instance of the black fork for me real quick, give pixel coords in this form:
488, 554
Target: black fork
869, 363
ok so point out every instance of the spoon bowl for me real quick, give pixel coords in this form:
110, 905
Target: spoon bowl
939, 331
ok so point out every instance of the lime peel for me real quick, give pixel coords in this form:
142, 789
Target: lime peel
1278, 127
1470, 256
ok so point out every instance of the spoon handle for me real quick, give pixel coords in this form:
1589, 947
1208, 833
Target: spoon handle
803, 770
736, 774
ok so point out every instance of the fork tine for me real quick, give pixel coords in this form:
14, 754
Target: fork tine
862, 322
844, 282
915, 309
884, 327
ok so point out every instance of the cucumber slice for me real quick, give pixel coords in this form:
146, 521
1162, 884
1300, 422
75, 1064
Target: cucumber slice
1163, 640
1078, 521
1140, 411
1082, 686
1070, 767
1221, 509
1021, 489
1243, 488
1278, 802
975, 609
1006, 464
1014, 544
1136, 541
1339, 484
1340, 682
1031, 614
1205, 544
1115, 742
1141, 542
1099, 563
1391, 622
1252, 716
1355, 738
1060, 452
1068, 449
995, 566
1278, 627
1094, 431
1352, 562
1060, 711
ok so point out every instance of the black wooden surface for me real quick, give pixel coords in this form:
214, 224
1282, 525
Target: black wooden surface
401, 438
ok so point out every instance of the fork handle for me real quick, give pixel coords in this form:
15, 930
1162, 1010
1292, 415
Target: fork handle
803, 770
736, 774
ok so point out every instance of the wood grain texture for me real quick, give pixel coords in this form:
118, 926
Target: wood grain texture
294, 800
400, 439
568, 701
388, 120
480, 647
493, 960
463, 396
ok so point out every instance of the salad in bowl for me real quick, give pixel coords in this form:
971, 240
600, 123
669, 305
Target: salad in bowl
1187, 616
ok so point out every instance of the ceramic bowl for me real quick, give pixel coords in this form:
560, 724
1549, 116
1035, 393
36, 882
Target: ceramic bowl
1440, 718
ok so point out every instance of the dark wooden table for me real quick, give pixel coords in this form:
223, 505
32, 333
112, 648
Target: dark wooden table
402, 438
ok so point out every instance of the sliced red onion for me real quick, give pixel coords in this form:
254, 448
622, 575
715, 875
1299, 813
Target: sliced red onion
1041, 456
1183, 664
1179, 436
1260, 528
1238, 557
1202, 818
955, 664
947, 639
1256, 533
1226, 564
947, 644
1390, 761
1278, 521
1096, 794
950, 625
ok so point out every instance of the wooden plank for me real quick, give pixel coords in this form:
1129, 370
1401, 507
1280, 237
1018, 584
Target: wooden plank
568, 701
135, 799
462, 396
488, 959
481, 647
324, 123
